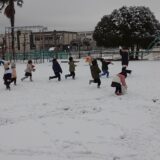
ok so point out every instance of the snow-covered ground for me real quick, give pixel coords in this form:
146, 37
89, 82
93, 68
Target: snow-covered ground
72, 120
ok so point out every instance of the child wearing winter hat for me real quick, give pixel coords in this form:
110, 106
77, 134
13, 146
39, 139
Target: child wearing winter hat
118, 82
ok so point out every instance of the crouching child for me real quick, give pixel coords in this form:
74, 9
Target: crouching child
119, 83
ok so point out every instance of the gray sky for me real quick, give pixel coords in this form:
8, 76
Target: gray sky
71, 15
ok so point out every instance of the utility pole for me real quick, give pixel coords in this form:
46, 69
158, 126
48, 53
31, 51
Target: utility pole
24, 45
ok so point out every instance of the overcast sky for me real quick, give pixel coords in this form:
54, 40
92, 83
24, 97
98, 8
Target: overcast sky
71, 15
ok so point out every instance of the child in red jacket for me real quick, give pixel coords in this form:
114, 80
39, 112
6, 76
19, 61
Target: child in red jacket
118, 82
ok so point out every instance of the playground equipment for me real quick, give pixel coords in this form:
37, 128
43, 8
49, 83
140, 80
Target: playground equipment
153, 50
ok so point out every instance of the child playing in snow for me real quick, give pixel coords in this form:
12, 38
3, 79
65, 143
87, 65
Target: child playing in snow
95, 71
14, 73
119, 82
7, 75
105, 67
57, 70
124, 52
71, 68
28, 71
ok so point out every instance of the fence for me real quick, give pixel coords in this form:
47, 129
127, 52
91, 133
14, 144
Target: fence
37, 56
41, 56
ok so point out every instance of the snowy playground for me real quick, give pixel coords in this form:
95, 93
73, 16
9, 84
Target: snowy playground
72, 120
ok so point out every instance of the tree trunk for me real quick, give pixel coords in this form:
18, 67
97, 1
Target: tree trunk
11, 3
131, 55
137, 52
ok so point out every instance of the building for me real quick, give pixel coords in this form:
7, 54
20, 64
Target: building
2, 46
86, 38
85, 34
29, 39
21, 41
59, 39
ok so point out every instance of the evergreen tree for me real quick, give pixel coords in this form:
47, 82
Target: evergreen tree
134, 27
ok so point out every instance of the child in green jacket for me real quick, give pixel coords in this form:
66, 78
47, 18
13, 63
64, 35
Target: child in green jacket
71, 68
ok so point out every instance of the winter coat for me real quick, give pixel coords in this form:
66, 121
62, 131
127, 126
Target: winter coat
95, 71
119, 78
14, 74
71, 66
7, 74
29, 68
105, 65
125, 57
56, 67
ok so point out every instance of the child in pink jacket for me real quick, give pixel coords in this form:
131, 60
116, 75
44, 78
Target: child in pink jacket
118, 82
